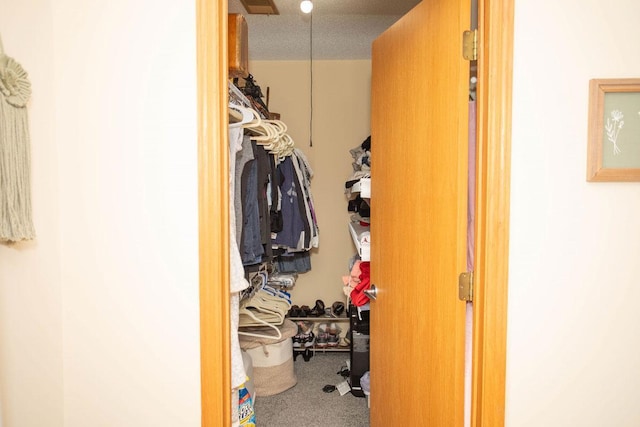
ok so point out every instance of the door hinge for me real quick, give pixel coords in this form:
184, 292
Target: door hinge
465, 286
470, 45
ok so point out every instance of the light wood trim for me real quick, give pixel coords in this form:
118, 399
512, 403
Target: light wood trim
598, 88
495, 67
213, 212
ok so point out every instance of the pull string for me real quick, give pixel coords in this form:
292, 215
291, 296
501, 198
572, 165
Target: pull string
311, 80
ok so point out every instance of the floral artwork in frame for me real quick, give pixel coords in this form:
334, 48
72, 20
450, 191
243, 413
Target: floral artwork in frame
614, 130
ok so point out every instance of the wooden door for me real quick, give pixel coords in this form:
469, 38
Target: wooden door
420, 93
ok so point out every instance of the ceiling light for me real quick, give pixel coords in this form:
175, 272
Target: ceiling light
306, 6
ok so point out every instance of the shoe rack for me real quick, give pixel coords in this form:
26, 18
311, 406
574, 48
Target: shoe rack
318, 345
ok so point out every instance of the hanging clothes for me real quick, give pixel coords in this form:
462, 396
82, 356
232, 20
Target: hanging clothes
295, 229
251, 242
273, 201
236, 272
305, 173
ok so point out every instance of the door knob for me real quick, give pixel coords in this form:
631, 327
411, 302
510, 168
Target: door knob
372, 292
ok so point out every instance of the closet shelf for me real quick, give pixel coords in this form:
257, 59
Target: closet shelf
362, 239
320, 319
326, 349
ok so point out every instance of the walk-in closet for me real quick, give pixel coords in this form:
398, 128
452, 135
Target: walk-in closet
306, 109
303, 98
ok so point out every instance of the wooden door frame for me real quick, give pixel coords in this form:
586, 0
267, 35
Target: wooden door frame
213, 212
493, 175
492, 211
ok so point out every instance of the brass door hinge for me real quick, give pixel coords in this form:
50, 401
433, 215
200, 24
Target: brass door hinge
465, 286
470, 45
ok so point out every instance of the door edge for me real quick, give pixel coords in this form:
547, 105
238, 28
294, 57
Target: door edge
213, 213
495, 69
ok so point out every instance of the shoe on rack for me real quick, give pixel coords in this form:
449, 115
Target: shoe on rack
318, 309
294, 311
333, 340
297, 341
304, 326
337, 308
305, 311
309, 339
307, 355
334, 329
347, 340
322, 340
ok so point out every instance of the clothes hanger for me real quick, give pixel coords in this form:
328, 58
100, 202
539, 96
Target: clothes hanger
242, 115
264, 132
268, 310
260, 322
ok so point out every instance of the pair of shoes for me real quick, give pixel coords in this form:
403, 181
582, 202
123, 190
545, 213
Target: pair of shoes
296, 311
307, 353
328, 335
303, 340
304, 337
317, 311
322, 340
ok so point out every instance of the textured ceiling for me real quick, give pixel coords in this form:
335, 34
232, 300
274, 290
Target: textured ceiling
342, 29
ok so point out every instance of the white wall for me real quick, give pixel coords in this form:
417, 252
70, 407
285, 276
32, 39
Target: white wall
100, 314
125, 75
30, 284
574, 321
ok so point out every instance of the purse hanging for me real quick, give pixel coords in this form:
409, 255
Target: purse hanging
16, 221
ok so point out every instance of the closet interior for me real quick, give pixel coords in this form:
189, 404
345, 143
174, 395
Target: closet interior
285, 190
288, 318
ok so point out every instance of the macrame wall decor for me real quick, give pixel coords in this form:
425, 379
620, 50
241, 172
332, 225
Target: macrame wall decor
16, 222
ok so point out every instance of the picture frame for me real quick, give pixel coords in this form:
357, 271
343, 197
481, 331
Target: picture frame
614, 130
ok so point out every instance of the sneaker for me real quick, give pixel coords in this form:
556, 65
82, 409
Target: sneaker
304, 327
322, 340
318, 309
337, 308
309, 339
333, 340
297, 341
334, 329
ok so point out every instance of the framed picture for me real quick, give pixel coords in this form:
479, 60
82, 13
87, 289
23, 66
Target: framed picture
614, 130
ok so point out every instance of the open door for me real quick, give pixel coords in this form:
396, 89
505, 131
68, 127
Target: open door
420, 96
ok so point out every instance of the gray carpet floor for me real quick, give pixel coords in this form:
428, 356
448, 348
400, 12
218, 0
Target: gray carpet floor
307, 405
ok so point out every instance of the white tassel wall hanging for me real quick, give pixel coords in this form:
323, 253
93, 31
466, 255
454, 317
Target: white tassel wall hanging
16, 222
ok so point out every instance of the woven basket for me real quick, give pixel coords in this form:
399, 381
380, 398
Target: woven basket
272, 361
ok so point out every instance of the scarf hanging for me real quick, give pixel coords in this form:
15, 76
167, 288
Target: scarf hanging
16, 222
